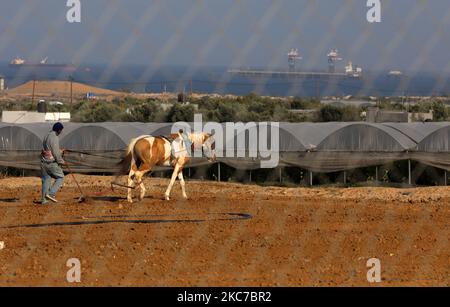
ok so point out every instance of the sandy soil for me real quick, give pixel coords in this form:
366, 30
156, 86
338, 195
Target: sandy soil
47, 88
61, 89
224, 235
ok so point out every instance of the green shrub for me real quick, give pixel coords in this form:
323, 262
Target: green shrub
90, 112
147, 112
330, 113
179, 112
440, 111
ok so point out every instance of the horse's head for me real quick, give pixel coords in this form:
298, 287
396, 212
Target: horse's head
209, 146
206, 142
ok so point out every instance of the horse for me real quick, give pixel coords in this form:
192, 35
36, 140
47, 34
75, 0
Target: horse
145, 152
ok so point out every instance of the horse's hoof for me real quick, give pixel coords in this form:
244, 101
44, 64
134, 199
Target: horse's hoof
130, 200
167, 197
185, 197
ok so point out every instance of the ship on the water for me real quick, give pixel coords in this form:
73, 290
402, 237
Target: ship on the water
395, 73
43, 64
351, 71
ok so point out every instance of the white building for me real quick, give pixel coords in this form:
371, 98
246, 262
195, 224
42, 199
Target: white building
375, 115
25, 117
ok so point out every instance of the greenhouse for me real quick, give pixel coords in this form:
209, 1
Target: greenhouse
316, 147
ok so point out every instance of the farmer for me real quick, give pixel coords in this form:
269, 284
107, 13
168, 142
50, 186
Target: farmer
51, 163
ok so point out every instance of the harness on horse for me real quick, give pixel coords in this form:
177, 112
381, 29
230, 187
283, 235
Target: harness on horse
173, 152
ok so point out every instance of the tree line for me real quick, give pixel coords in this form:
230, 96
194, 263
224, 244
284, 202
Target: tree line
250, 108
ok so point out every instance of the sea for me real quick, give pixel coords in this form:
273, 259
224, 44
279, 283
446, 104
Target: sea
217, 80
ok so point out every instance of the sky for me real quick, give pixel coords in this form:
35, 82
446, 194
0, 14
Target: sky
412, 36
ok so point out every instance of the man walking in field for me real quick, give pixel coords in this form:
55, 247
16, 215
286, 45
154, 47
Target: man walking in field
51, 165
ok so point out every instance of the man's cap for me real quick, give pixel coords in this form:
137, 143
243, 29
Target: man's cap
58, 127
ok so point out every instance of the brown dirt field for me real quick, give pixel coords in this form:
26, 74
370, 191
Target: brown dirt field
295, 237
48, 88
61, 90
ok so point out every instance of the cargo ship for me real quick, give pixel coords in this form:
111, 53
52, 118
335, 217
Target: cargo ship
20, 63
351, 71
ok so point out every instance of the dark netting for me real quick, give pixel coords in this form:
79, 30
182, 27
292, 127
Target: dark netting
328, 147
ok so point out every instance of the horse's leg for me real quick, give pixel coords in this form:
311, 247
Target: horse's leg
182, 183
172, 181
142, 192
143, 169
131, 180
142, 185
130, 184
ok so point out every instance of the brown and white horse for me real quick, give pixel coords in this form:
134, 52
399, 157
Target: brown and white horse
146, 152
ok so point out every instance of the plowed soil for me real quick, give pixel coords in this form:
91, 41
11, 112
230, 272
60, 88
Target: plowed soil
224, 235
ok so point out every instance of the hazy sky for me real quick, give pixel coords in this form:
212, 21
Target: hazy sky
413, 34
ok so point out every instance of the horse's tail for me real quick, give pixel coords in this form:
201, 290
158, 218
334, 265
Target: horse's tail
125, 163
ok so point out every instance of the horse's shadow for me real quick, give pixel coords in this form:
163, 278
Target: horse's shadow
112, 199
9, 200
